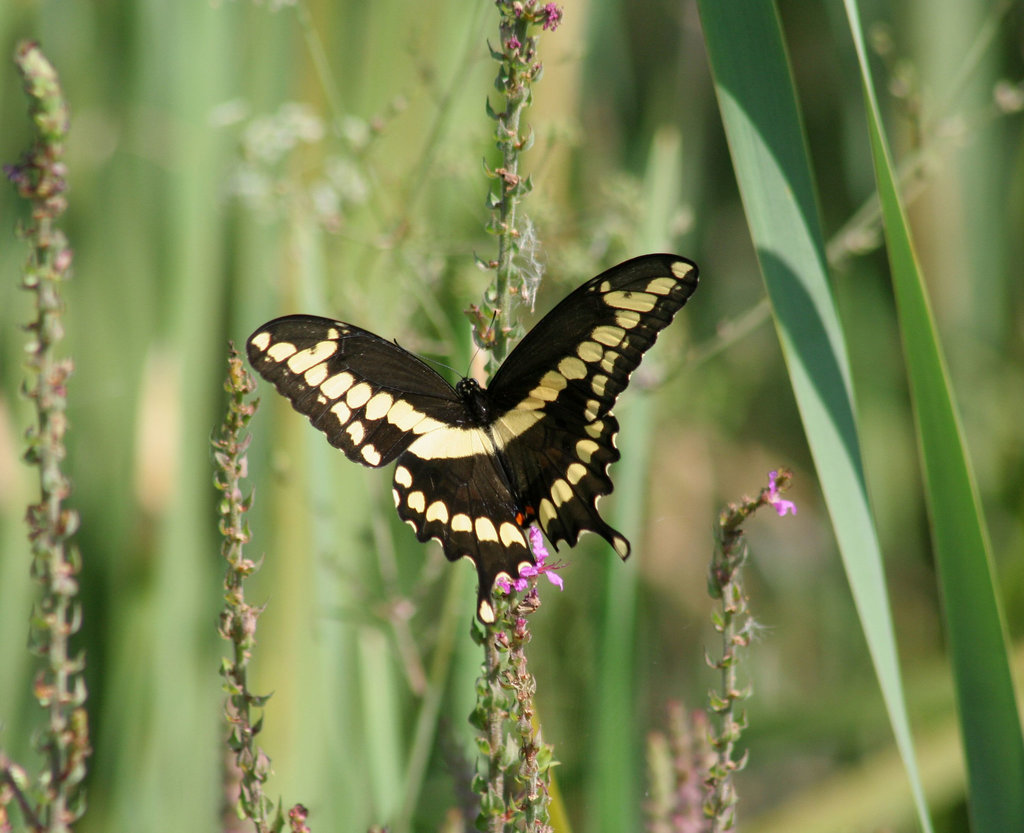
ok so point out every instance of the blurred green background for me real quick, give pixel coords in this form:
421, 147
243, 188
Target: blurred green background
231, 162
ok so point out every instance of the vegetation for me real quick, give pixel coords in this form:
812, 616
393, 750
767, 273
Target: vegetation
230, 162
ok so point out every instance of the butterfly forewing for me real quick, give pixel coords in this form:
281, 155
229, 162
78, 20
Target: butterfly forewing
474, 468
369, 396
586, 347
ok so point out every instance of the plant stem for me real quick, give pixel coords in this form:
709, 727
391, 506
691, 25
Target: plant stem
733, 621
516, 274
532, 771
238, 619
495, 734
59, 686
505, 690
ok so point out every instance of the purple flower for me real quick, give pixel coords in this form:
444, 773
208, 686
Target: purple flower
512, 44
541, 554
783, 507
552, 16
508, 586
537, 544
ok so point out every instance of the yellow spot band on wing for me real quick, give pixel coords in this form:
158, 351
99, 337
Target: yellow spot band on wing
510, 535
281, 351
426, 425
550, 386
590, 351
608, 335
315, 375
662, 286
403, 415
546, 512
681, 269
342, 412
417, 501
561, 492
359, 395
627, 319
379, 405
336, 386
356, 432
638, 301
585, 449
572, 368
305, 359
576, 472
452, 443
485, 530
437, 511
514, 424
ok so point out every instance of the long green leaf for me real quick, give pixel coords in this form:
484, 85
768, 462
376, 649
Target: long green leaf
974, 622
762, 122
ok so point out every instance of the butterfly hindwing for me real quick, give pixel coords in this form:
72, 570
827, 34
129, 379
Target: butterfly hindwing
561, 474
467, 504
368, 395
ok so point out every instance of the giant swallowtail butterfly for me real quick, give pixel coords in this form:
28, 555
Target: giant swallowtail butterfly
476, 466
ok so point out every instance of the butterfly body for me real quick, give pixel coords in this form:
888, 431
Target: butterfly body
475, 466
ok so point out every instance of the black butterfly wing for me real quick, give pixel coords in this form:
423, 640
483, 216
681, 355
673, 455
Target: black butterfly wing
555, 391
368, 395
377, 403
451, 486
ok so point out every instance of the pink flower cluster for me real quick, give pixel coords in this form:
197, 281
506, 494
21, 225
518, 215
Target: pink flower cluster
541, 554
783, 507
552, 16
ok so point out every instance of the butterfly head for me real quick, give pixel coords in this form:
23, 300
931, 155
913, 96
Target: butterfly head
475, 400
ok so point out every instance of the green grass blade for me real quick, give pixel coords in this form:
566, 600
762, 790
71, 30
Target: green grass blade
759, 109
974, 622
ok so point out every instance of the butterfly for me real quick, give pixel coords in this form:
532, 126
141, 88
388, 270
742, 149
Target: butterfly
476, 466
